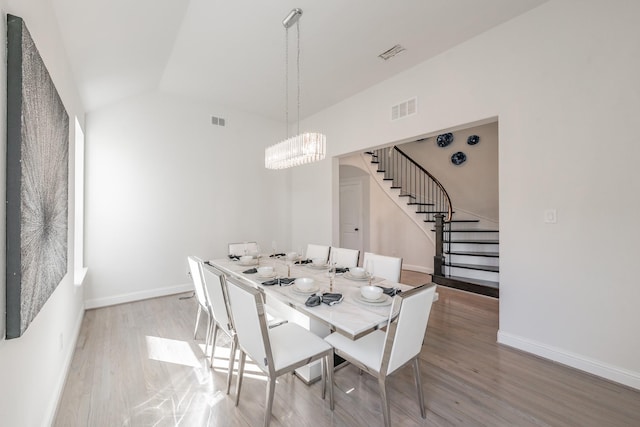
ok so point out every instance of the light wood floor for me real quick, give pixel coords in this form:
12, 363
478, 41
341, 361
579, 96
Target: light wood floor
137, 365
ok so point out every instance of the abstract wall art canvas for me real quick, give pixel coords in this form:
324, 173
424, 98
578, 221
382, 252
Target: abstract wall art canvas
37, 181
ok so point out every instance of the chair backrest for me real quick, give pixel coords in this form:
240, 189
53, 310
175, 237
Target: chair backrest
343, 257
247, 311
195, 269
405, 336
243, 248
387, 267
317, 251
216, 287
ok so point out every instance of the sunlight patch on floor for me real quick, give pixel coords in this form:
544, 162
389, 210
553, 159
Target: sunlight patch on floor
171, 351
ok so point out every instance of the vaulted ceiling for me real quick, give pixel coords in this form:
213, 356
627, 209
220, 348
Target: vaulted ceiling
233, 52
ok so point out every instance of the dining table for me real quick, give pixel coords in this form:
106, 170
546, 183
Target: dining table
354, 316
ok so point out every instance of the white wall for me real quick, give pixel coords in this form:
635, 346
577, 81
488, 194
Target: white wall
33, 367
164, 183
563, 82
388, 229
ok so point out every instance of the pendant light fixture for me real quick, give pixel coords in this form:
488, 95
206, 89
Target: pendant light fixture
303, 148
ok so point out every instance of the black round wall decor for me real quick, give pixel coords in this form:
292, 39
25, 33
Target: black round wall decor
444, 139
458, 158
473, 139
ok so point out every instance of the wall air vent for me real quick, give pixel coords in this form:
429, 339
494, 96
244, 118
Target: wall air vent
388, 54
404, 109
218, 121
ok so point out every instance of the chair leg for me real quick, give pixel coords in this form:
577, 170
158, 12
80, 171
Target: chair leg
330, 369
214, 335
195, 330
207, 337
232, 358
240, 373
385, 401
271, 389
416, 369
323, 376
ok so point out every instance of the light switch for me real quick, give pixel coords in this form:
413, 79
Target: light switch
550, 216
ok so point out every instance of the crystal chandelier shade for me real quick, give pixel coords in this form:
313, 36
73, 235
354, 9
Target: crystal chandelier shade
295, 151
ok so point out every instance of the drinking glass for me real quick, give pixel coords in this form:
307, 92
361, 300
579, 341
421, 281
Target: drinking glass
332, 275
368, 268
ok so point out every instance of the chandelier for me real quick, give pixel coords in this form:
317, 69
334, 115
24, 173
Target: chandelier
303, 148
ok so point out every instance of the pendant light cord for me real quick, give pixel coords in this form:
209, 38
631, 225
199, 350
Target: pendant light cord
298, 69
286, 78
286, 82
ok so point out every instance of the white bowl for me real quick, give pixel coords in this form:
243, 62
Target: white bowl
371, 292
357, 271
318, 261
304, 283
246, 258
265, 271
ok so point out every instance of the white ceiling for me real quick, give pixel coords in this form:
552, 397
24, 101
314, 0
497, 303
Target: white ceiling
232, 52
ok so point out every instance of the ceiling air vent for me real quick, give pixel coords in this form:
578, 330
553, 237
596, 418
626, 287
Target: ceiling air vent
404, 109
218, 121
388, 54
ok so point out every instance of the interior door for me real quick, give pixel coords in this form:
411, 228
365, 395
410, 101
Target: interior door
351, 221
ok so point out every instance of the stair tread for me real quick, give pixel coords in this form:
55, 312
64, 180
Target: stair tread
420, 204
487, 283
493, 268
474, 253
454, 220
472, 230
481, 242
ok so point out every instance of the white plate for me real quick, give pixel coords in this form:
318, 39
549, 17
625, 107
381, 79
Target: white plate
252, 262
318, 267
313, 290
350, 276
383, 301
266, 276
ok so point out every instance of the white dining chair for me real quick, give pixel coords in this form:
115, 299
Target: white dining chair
383, 353
387, 267
216, 287
343, 257
275, 351
317, 251
195, 271
243, 248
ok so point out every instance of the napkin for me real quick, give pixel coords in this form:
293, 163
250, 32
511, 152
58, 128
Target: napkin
331, 299
341, 270
304, 261
327, 298
390, 291
250, 271
284, 281
277, 255
234, 257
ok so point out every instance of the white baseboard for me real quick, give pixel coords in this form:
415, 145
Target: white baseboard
418, 268
137, 296
62, 375
595, 367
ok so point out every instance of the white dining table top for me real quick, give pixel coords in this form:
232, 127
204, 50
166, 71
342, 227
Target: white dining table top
352, 317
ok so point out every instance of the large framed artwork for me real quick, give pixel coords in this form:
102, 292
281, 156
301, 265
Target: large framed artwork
37, 181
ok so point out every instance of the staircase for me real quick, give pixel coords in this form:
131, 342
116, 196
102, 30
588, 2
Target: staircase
466, 255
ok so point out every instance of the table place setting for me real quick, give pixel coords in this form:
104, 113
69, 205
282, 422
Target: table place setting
372, 296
